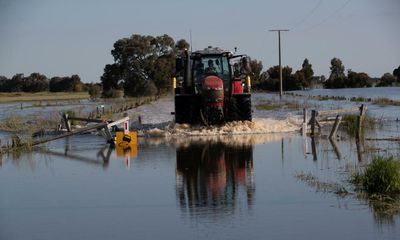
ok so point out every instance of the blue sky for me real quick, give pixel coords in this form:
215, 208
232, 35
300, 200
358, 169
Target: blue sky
75, 37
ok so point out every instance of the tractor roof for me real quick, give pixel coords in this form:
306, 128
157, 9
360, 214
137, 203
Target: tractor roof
212, 51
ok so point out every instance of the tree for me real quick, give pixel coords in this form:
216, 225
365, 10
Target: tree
94, 90
337, 68
56, 84
143, 64
182, 45
357, 80
35, 82
396, 73
272, 83
387, 79
3, 82
66, 84
112, 77
337, 77
308, 73
258, 77
16, 83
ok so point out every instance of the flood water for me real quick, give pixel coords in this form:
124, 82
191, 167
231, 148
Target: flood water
231, 186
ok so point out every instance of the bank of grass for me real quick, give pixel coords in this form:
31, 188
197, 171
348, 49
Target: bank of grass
382, 176
41, 96
386, 102
378, 184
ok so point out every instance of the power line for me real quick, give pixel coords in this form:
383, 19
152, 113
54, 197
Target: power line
307, 15
329, 16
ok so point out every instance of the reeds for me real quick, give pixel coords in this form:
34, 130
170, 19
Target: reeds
382, 176
386, 102
350, 124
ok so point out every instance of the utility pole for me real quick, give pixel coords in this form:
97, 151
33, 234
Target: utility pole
280, 65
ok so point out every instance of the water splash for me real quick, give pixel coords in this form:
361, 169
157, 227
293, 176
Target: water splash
257, 126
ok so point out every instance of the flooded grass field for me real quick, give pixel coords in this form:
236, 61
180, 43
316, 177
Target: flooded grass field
233, 183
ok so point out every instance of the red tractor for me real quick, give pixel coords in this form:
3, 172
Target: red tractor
213, 87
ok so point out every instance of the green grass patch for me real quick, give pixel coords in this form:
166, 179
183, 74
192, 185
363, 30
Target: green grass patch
350, 125
360, 99
382, 176
12, 123
41, 96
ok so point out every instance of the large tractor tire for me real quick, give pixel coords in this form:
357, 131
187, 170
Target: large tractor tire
187, 109
240, 108
245, 108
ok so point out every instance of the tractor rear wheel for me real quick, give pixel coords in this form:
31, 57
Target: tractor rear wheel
186, 109
245, 108
240, 108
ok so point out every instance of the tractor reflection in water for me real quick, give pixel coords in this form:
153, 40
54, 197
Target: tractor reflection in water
214, 177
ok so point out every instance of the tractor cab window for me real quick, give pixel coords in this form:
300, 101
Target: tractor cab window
210, 65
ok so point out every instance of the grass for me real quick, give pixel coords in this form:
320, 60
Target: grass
382, 176
349, 123
13, 123
386, 102
360, 99
41, 96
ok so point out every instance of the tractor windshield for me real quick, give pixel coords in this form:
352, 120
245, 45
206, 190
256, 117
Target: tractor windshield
211, 65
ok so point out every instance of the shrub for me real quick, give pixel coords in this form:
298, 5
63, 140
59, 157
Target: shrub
350, 124
381, 176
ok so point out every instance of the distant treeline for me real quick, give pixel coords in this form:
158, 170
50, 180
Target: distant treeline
338, 78
304, 78
37, 82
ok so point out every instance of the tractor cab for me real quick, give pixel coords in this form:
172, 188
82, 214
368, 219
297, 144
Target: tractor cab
204, 65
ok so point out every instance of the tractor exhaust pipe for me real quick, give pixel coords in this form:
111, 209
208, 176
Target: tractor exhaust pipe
188, 69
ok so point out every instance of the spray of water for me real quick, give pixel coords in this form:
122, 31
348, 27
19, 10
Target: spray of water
257, 126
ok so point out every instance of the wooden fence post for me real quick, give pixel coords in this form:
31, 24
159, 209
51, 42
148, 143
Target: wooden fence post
67, 122
313, 120
335, 148
304, 122
314, 149
359, 121
335, 127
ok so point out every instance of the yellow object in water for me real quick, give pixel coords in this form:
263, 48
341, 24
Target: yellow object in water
125, 143
248, 82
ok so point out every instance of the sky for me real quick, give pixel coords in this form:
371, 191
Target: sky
61, 38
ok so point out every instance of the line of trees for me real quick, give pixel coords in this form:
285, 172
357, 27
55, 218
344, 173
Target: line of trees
269, 79
304, 77
338, 78
37, 82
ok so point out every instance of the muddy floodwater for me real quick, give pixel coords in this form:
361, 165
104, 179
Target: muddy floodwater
231, 186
